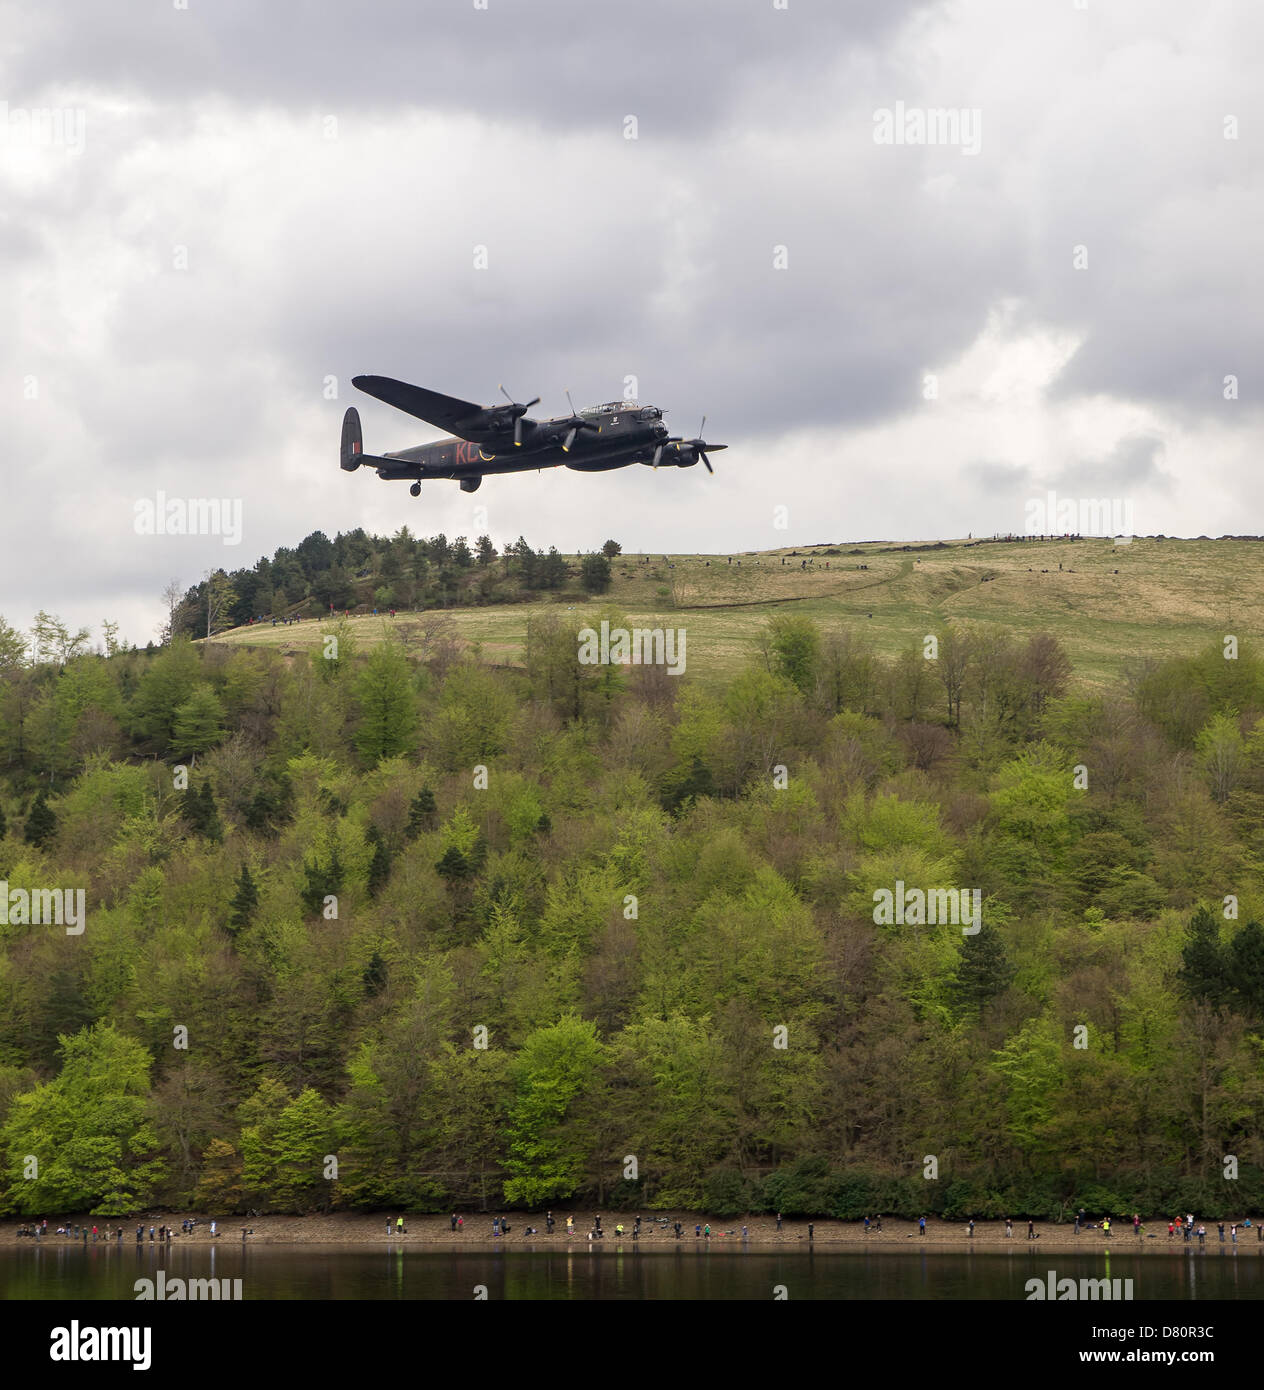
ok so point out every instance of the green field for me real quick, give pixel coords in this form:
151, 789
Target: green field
1109, 605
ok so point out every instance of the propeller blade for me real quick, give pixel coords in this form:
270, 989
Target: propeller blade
568, 441
518, 412
658, 454
706, 460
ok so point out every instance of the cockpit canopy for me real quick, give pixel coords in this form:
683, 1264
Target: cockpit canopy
623, 408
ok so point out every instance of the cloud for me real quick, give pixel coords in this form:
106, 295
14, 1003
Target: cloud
273, 198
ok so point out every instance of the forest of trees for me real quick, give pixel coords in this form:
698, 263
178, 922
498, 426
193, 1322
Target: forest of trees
490, 937
359, 571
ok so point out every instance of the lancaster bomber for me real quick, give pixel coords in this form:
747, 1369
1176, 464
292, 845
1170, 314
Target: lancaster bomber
503, 439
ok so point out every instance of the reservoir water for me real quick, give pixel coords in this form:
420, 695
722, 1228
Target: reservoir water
396, 1270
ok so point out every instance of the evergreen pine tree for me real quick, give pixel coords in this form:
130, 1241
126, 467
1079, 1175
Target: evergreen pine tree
1202, 973
244, 903
421, 814
380, 864
375, 974
41, 823
321, 882
454, 866
212, 828
983, 970
1245, 962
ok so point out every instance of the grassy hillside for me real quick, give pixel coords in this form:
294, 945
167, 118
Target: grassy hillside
1108, 605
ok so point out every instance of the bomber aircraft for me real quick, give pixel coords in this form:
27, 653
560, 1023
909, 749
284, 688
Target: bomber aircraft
503, 439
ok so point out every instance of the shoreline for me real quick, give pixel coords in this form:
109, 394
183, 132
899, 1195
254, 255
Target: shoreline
435, 1231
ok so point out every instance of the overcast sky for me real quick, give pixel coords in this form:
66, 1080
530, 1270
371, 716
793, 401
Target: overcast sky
213, 216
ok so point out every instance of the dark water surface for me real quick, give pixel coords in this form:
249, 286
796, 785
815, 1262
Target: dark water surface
396, 1270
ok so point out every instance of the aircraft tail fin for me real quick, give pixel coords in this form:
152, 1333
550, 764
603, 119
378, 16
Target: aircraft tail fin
351, 455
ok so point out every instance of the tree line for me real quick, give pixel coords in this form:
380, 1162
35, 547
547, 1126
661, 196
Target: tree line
486, 937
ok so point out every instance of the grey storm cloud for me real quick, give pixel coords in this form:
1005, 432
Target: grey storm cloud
275, 197
556, 62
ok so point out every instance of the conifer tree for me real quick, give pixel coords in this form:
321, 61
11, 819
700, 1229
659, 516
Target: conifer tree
245, 901
421, 814
380, 864
41, 823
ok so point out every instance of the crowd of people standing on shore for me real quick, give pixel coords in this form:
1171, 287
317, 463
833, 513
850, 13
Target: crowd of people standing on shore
38, 1230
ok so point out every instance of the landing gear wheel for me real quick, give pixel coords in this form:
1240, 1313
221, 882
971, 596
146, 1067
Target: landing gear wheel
415, 489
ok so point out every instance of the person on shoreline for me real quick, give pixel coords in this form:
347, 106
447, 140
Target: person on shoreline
878, 1224
399, 1226
921, 1225
1009, 1228
1202, 1235
460, 1224
570, 1226
1171, 1230
778, 1221
706, 1230
1031, 1229
1233, 1233
971, 1227
1220, 1229
452, 1221
548, 1221
1105, 1227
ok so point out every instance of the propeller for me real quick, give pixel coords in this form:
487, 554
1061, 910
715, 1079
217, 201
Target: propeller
680, 447
658, 449
700, 445
518, 412
576, 423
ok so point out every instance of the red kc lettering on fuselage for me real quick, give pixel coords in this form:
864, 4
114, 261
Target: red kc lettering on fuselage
466, 453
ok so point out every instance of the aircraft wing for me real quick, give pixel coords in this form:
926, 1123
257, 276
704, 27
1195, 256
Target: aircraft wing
446, 412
